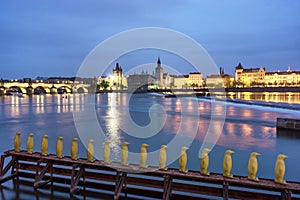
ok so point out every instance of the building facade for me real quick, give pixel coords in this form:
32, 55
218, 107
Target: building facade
181, 81
140, 82
195, 79
249, 77
286, 78
219, 80
259, 77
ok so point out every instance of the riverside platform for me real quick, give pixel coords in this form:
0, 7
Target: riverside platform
130, 182
290, 124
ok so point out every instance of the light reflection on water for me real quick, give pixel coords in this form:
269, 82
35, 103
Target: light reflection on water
113, 124
287, 97
247, 128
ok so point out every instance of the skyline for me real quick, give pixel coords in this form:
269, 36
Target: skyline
52, 38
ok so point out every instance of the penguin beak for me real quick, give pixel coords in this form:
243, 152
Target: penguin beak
285, 156
258, 154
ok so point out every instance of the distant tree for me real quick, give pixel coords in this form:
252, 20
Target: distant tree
104, 84
194, 85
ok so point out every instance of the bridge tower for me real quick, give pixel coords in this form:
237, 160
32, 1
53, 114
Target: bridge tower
159, 73
118, 76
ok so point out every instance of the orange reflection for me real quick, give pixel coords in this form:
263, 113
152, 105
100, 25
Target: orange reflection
247, 113
15, 106
40, 106
177, 105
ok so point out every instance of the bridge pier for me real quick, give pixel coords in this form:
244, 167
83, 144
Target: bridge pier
29, 90
2, 91
53, 90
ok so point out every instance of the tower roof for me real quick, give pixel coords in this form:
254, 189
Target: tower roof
239, 66
158, 60
118, 67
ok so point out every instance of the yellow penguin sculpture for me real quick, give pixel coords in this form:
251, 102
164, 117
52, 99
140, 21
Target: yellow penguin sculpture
124, 154
17, 142
143, 155
162, 159
280, 169
30, 143
204, 161
227, 164
90, 151
106, 152
59, 147
183, 160
44, 146
253, 166
74, 149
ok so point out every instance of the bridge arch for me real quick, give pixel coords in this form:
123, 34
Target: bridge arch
41, 90
64, 89
19, 89
82, 90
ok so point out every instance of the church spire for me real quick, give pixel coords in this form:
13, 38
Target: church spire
158, 60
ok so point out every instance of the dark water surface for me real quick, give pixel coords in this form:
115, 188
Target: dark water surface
246, 128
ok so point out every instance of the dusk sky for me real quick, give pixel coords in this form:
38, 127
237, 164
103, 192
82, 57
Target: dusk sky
52, 38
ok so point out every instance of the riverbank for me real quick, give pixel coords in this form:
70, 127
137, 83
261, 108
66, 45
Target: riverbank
211, 90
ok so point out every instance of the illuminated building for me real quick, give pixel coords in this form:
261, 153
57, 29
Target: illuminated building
249, 77
259, 77
180, 81
219, 80
195, 79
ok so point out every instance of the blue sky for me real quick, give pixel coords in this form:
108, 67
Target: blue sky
53, 37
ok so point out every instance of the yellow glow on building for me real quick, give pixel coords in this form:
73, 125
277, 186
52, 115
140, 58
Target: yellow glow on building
259, 77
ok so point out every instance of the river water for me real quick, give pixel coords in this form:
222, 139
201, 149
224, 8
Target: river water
153, 119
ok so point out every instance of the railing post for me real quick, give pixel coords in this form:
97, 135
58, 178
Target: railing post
225, 190
167, 187
120, 181
286, 195
75, 177
1, 164
39, 176
10, 165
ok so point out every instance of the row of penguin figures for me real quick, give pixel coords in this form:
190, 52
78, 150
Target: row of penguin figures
279, 170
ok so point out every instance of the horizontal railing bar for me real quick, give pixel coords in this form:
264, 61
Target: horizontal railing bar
176, 187
238, 181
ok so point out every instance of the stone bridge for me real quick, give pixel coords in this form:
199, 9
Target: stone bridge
40, 87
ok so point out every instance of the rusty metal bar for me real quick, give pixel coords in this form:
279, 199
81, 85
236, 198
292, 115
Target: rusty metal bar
8, 166
225, 190
2, 163
167, 187
41, 175
120, 180
75, 178
11, 164
286, 195
15, 167
7, 178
